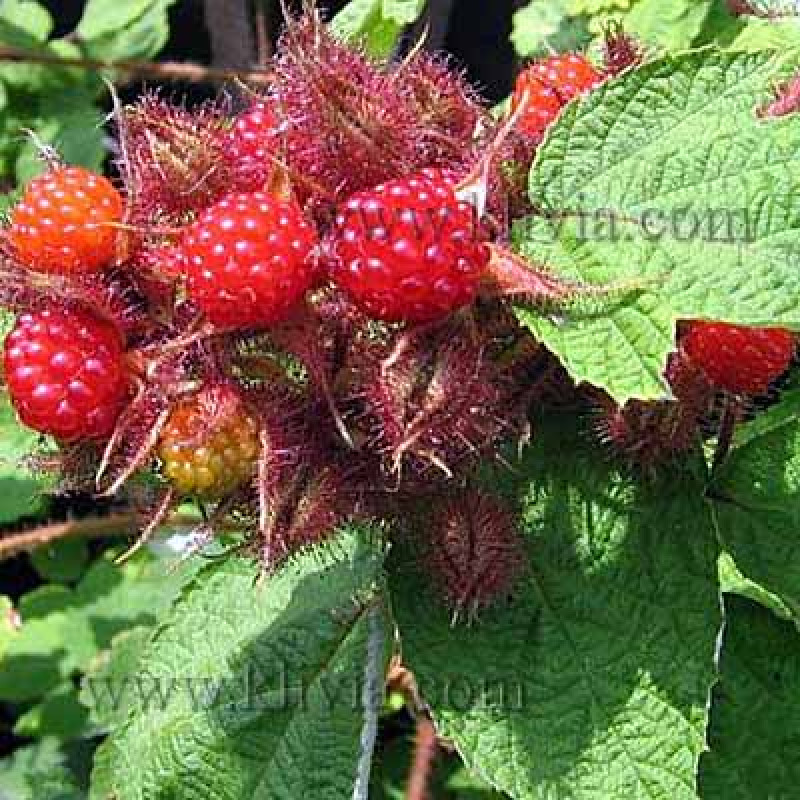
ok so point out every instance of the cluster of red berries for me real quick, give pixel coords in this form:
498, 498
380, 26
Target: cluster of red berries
295, 336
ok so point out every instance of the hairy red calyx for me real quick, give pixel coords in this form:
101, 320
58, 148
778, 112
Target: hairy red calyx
648, 434
473, 553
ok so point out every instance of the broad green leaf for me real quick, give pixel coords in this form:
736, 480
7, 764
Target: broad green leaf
594, 683
757, 501
671, 24
20, 490
62, 630
363, 22
252, 689
666, 182
755, 718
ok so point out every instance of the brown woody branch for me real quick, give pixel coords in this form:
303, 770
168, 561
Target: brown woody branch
167, 71
13, 544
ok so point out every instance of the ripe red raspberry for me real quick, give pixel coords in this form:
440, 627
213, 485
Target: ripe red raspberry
66, 373
739, 359
250, 147
409, 250
551, 83
248, 260
65, 222
208, 462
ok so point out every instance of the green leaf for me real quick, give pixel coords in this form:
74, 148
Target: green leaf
403, 12
24, 23
755, 720
38, 772
671, 24
594, 683
756, 504
110, 670
62, 630
363, 22
60, 714
762, 34
7, 627
20, 490
666, 182
62, 561
542, 26
114, 31
252, 689
733, 582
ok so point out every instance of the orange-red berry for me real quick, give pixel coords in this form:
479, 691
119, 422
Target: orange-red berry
739, 359
67, 222
550, 84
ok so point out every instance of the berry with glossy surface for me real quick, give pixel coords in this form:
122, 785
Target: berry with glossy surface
739, 359
66, 373
248, 260
550, 84
250, 147
207, 459
66, 222
409, 250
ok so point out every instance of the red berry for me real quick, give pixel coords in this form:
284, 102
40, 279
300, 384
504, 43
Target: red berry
551, 83
739, 359
409, 250
247, 260
65, 222
250, 147
66, 373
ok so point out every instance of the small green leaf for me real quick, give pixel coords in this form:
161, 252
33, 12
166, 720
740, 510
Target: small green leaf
403, 12
666, 182
59, 714
252, 689
20, 490
540, 27
102, 691
733, 582
594, 682
62, 630
63, 561
114, 31
671, 24
37, 772
362, 22
755, 720
24, 23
